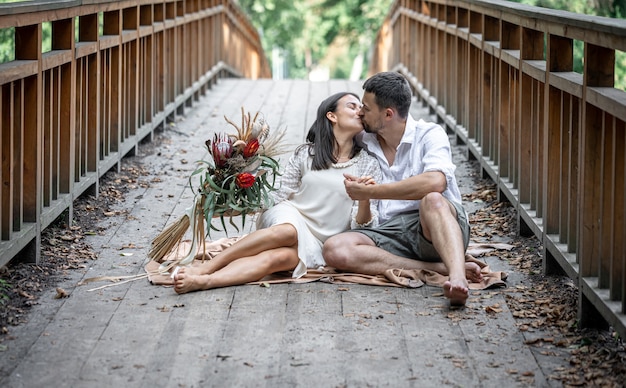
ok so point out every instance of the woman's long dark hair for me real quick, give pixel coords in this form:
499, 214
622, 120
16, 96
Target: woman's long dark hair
321, 136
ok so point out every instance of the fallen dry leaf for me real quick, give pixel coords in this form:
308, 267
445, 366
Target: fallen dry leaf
494, 309
61, 293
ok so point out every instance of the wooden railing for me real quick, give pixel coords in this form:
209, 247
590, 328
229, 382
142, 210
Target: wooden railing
117, 71
500, 76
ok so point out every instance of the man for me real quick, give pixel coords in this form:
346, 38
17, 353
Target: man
422, 221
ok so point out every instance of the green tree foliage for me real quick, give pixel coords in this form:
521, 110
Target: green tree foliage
6, 45
279, 22
305, 29
355, 21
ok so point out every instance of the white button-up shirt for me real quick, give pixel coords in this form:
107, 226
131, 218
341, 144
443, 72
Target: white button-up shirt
424, 147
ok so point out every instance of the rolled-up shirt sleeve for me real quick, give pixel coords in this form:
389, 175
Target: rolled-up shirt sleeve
436, 155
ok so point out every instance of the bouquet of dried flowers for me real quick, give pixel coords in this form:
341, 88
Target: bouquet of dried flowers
236, 179
241, 172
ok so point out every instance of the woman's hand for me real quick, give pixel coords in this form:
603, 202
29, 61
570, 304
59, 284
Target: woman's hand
365, 179
357, 187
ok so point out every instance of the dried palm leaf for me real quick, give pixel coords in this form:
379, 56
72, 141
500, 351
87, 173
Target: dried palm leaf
173, 235
170, 237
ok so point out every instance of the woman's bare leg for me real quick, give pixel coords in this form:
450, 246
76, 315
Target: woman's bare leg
276, 236
240, 271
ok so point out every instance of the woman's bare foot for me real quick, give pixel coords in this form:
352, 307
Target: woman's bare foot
185, 282
456, 291
472, 272
202, 257
190, 270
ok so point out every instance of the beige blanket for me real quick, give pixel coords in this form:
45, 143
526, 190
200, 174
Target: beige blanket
392, 277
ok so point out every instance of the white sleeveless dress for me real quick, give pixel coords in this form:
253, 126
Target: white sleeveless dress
316, 204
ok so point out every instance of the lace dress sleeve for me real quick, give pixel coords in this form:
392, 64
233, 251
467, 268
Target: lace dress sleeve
292, 175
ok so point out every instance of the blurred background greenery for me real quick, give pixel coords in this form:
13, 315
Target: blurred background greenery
320, 39
317, 38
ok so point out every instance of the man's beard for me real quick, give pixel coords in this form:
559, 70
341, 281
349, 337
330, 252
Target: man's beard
369, 129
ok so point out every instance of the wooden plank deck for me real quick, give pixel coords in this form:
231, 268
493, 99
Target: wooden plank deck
139, 335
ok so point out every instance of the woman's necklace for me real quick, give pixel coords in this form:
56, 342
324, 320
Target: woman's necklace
343, 158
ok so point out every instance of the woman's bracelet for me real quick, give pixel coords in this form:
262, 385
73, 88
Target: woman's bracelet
365, 224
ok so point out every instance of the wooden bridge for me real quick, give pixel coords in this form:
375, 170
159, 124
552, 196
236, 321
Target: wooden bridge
498, 75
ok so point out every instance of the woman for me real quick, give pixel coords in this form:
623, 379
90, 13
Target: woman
310, 206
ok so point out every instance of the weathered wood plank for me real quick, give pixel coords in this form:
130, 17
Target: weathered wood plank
311, 348
250, 342
553, 176
618, 264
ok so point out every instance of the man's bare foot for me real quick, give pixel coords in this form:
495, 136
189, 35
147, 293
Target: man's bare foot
472, 272
456, 291
185, 282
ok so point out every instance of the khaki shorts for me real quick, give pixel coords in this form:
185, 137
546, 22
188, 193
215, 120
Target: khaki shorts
402, 235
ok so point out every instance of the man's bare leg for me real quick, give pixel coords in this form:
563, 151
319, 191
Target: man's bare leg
439, 225
355, 252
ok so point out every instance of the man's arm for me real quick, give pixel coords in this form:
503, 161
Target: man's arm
413, 188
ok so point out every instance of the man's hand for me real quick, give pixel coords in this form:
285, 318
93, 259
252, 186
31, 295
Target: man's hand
357, 187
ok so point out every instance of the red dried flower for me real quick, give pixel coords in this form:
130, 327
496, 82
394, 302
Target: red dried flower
245, 180
222, 149
251, 148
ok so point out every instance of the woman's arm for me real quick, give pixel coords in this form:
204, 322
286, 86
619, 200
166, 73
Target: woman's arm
365, 212
291, 176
